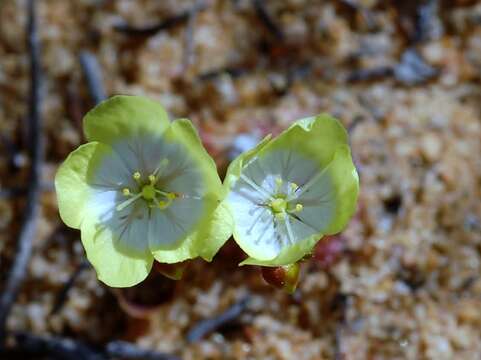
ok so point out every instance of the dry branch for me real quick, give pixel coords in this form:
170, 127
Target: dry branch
93, 74
165, 24
207, 326
18, 271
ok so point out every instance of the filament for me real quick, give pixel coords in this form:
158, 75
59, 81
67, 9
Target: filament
256, 220
290, 234
127, 202
311, 182
255, 186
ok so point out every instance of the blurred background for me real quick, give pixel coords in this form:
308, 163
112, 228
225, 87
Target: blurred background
401, 282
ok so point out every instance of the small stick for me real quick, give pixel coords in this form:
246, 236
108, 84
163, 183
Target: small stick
55, 347
232, 71
165, 24
93, 74
207, 326
16, 191
354, 123
18, 271
124, 350
267, 20
370, 74
64, 348
63, 294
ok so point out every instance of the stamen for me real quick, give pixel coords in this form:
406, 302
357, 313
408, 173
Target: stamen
163, 163
152, 179
162, 204
127, 202
263, 232
290, 234
256, 220
136, 175
255, 186
164, 193
311, 182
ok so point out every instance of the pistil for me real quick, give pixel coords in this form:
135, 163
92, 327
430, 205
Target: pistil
147, 191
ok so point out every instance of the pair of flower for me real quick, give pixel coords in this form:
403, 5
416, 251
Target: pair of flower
144, 188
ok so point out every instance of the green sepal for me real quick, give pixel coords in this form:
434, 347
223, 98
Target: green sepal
236, 166
205, 241
113, 267
124, 116
215, 226
71, 181
316, 137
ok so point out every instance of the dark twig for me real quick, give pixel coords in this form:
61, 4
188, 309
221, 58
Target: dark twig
428, 25
354, 123
232, 71
54, 347
412, 69
27, 231
63, 294
207, 326
370, 74
267, 20
340, 303
12, 192
125, 350
165, 24
93, 74
16, 191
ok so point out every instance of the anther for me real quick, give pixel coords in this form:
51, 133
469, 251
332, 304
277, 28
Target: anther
136, 176
299, 207
125, 191
152, 179
294, 186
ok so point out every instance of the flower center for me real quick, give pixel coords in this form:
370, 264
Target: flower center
148, 192
280, 203
155, 198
